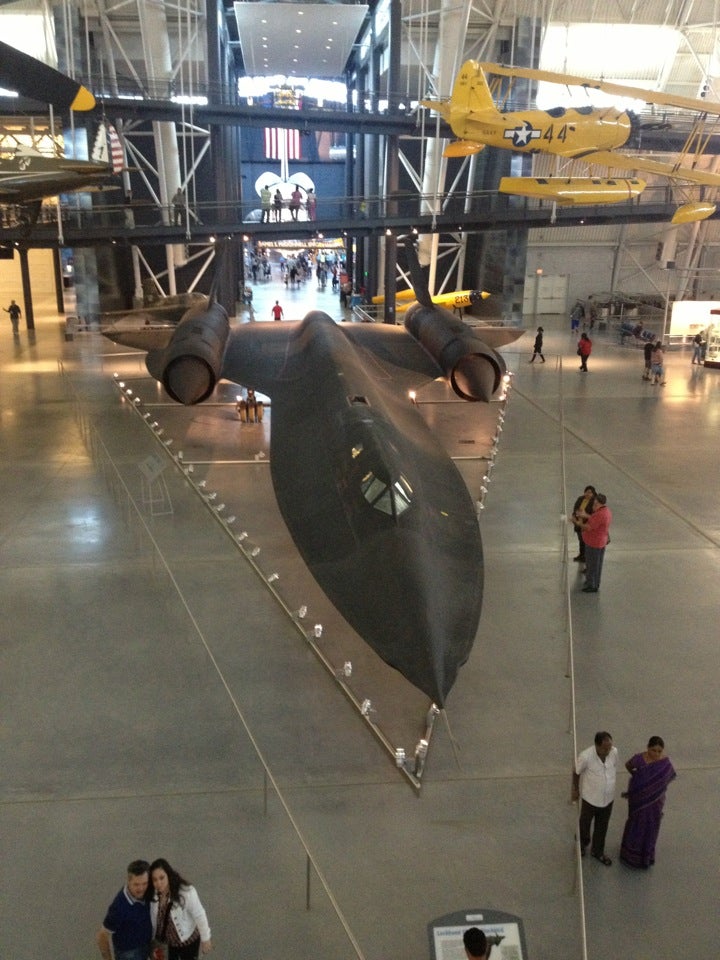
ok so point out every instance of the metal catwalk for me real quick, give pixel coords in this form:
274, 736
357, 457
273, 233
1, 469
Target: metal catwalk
158, 702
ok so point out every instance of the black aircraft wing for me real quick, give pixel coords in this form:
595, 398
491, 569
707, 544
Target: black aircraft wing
31, 78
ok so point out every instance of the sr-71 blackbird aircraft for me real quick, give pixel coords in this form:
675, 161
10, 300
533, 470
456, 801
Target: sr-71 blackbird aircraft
587, 134
375, 506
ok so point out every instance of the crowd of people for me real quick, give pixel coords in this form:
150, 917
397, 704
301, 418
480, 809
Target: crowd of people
297, 269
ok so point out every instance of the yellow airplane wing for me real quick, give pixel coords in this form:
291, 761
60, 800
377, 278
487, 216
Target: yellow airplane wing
617, 89
674, 171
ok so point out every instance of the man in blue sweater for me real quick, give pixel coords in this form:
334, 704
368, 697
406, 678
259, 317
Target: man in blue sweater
127, 922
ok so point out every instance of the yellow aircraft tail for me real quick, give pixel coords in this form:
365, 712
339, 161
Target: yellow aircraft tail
471, 98
471, 92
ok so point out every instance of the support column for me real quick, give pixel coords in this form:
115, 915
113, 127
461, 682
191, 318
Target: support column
57, 277
158, 63
392, 161
27, 289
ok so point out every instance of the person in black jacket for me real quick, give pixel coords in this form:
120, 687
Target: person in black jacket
537, 348
583, 505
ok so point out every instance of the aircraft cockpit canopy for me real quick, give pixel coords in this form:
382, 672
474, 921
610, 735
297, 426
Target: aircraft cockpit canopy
390, 498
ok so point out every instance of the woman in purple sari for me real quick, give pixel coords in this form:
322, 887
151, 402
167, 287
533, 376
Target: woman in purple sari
650, 773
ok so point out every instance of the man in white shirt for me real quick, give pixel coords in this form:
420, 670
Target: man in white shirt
594, 782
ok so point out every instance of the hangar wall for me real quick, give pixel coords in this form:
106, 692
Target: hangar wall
624, 259
41, 267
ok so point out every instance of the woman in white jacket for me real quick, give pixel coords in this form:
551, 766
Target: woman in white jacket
178, 917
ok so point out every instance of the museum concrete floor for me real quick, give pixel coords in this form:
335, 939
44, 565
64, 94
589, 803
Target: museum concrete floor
160, 698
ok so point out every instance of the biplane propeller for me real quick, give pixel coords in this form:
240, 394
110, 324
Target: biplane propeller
591, 135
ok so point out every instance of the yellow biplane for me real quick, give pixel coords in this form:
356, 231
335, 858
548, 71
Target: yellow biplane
592, 135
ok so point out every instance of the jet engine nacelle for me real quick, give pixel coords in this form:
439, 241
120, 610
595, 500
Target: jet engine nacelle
191, 364
473, 369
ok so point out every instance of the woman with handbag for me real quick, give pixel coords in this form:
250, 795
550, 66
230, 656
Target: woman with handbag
179, 919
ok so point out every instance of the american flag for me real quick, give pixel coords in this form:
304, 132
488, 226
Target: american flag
116, 150
282, 144
108, 148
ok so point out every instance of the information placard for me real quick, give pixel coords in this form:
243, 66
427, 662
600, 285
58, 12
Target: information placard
504, 932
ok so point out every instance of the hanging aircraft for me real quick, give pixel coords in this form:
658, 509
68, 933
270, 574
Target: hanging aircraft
455, 301
589, 135
27, 177
375, 506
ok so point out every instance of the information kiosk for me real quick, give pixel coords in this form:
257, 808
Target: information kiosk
504, 932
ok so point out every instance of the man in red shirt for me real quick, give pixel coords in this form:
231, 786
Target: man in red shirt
596, 536
277, 311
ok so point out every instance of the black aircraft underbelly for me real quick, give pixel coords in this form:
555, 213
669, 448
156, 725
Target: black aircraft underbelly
374, 504
30, 176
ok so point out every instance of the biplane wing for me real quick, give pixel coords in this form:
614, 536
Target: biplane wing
673, 171
616, 89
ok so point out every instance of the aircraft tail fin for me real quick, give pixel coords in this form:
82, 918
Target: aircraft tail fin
470, 94
471, 91
108, 148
